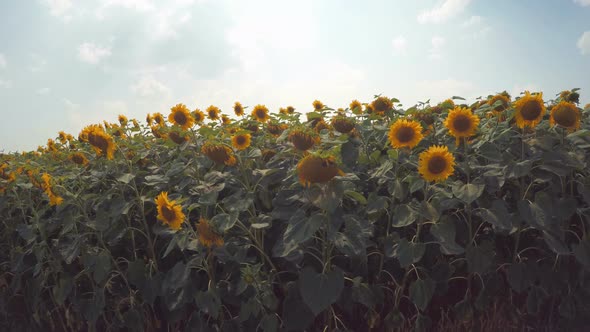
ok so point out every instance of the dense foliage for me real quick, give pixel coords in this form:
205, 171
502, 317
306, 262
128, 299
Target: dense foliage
369, 218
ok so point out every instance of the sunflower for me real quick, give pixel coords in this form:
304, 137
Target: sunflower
282, 110
381, 105
78, 158
405, 133
267, 154
502, 106
321, 125
181, 116
587, 107
198, 115
369, 109
123, 120
356, 107
169, 212
241, 141
135, 123
447, 104
51, 145
177, 138
238, 109
208, 237
565, 114
424, 116
54, 199
461, 122
314, 169
436, 163
159, 119
225, 119
290, 109
571, 96
157, 132
342, 124
317, 105
62, 137
149, 119
101, 142
219, 153
303, 140
213, 112
529, 110
276, 129
260, 113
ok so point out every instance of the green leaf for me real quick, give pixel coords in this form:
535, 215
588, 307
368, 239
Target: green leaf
63, 288
479, 259
269, 323
429, 210
320, 290
224, 222
457, 97
126, 178
301, 228
421, 292
498, 215
468, 192
408, 253
356, 196
209, 302
517, 277
556, 242
376, 205
403, 215
444, 232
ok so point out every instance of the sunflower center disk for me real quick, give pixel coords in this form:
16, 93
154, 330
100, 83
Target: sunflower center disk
531, 110
461, 123
437, 165
168, 213
565, 117
405, 134
241, 140
180, 118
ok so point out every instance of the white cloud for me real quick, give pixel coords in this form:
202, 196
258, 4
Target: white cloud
473, 20
437, 45
583, 3
2, 61
43, 91
400, 45
438, 90
584, 43
149, 86
59, 8
443, 11
92, 53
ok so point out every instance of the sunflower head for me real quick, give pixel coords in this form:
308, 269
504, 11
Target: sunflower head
424, 116
157, 131
529, 110
123, 120
169, 212
314, 169
565, 114
321, 125
318, 105
356, 107
276, 129
54, 199
178, 138
461, 122
447, 104
587, 107
51, 145
260, 113
159, 119
225, 119
238, 109
436, 163
101, 142
213, 112
369, 109
63, 137
267, 154
181, 116
405, 133
303, 140
381, 105
290, 109
241, 141
219, 153
342, 124
78, 158
570, 96
502, 103
208, 237
149, 119
198, 115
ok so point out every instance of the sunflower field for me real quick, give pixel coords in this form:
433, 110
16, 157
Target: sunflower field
366, 218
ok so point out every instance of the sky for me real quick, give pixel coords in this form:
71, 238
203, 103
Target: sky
65, 64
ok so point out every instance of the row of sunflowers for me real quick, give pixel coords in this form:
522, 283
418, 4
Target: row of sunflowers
446, 216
